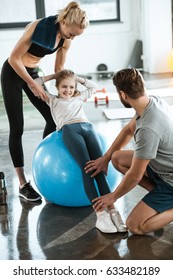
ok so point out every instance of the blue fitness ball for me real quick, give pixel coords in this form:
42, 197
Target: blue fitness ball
58, 176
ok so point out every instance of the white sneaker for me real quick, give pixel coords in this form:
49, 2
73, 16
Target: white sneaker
117, 221
104, 223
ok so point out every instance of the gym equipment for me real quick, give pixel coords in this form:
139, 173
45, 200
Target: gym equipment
101, 97
102, 72
57, 175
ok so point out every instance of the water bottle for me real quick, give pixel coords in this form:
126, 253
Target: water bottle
3, 190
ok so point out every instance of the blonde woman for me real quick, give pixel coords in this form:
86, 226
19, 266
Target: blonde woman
42, 37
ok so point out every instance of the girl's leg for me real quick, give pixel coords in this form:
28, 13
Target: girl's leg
94, 148
95, 151
84, 144
74, 136
74, 140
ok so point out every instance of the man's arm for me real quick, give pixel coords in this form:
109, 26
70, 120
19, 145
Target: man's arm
132, 177
101, 164
122, 139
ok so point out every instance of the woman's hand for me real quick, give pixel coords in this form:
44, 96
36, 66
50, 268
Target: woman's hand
102, 202
100, 164
38, 91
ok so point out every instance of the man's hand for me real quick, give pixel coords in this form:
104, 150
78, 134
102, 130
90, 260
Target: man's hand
102, 202
100, 164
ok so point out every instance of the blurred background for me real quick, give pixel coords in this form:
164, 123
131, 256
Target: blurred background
121, 33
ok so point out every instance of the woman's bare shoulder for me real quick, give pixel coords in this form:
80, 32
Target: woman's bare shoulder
31, 26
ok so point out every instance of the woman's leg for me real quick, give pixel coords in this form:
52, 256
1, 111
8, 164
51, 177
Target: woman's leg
41, 106
13, 100
12, 86
12, 94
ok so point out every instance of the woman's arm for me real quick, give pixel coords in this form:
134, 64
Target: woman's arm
16, 62
41, 81
61, 55
20, 49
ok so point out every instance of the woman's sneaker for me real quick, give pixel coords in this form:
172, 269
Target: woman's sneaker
118, 222
104, 223
28, 193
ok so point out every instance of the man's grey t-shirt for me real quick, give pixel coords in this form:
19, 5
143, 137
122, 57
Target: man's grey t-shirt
154, 138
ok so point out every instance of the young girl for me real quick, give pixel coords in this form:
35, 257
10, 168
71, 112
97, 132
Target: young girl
81, 138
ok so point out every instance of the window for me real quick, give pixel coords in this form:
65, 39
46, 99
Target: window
97, 10
52, 7
14, 13
101, 10
19, 13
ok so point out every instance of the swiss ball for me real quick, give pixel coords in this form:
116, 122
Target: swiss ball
58, 176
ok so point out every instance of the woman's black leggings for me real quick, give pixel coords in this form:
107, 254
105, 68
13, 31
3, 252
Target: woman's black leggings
84, 144
12, 87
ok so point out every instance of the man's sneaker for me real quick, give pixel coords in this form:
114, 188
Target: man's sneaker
117, 221
104, 223
28, 193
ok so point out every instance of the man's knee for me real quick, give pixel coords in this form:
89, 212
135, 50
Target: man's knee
115, 159
134, 227
122, 160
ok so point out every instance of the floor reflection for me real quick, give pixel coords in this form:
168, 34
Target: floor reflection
4, 223
23, 233
75, 236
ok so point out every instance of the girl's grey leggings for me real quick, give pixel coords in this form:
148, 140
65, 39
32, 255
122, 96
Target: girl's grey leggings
84, 144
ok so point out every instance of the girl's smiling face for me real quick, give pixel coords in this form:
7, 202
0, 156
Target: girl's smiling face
66, 88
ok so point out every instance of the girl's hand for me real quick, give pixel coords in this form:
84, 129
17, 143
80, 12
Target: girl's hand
80, 80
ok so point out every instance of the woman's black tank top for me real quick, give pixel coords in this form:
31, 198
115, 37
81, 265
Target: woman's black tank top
39, 51
44, 36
